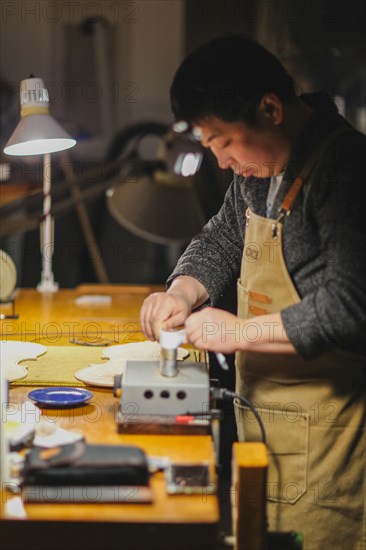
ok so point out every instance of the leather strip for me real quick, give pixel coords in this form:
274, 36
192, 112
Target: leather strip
255, 310
291, 195
258, 297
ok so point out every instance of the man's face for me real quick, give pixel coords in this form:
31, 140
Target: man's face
247, 151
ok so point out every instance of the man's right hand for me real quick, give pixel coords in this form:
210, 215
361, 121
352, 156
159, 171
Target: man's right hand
162, 309
170, 309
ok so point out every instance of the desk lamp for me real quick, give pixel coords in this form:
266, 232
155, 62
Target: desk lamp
39, 134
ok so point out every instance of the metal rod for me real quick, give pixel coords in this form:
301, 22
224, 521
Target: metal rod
168, 362
47, 283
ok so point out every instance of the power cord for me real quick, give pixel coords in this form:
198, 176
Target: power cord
223, 393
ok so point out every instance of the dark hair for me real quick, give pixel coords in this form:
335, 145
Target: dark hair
226, 78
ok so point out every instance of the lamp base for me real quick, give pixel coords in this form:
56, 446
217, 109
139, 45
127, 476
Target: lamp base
47, 286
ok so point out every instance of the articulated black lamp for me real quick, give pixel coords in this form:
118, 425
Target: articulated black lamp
154, 199
160, 202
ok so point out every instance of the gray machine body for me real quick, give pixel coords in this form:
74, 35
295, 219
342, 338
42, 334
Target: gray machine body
146, 391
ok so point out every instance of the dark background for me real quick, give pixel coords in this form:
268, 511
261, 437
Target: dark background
321, 42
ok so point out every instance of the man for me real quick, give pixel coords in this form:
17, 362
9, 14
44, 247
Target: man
292, 231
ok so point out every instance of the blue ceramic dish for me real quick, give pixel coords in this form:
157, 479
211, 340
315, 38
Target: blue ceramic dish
60, 396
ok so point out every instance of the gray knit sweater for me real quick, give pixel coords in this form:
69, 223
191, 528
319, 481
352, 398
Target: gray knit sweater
324, 238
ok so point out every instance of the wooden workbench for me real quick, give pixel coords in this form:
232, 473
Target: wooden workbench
170, 522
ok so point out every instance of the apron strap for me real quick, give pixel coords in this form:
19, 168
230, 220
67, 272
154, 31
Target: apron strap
288, 201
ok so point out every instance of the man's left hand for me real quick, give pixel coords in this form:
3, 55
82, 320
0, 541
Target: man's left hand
215, 330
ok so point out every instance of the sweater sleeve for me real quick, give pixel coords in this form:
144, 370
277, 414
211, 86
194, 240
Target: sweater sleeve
214, 256
334, 313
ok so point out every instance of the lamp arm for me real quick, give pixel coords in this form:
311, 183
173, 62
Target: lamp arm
29, 223
94, 175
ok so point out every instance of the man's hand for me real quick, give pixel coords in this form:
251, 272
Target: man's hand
163, 309
215, 330
170, 309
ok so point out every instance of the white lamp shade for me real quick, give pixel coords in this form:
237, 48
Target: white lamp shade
36, 135
37, 132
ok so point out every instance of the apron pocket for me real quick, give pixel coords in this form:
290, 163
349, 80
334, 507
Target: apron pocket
287, 443
242, 300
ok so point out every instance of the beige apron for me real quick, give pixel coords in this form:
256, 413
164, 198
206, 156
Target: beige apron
313, 411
